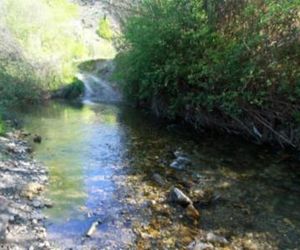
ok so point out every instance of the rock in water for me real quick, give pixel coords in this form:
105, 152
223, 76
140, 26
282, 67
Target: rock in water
177, 196
158, 179
211, 237
198, 245
37, 139
181, 161
92, 229
192, 212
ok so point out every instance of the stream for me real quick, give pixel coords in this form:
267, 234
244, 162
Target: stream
102, 157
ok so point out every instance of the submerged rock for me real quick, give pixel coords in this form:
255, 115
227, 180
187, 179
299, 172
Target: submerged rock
205, 197
181, 162
37, 139
158, 179
213, 238
192, 212
177, 196
198, 245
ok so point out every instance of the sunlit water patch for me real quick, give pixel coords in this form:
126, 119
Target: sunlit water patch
83, 148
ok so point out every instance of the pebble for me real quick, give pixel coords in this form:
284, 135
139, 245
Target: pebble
181, 160
198, 245
180, 163
213, 238
158, 179
37, 204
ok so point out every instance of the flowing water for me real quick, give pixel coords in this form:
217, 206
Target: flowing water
102, 157
98, 89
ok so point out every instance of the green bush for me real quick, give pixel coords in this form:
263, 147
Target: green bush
212, 55
104, 29
38, 48
74, 89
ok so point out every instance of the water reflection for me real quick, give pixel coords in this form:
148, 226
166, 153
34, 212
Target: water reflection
102, 158
80, 146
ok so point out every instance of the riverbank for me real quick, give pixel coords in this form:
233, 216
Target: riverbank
21, 185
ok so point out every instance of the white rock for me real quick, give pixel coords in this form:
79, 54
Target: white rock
196, 245
211, 237
176, 195
180, 163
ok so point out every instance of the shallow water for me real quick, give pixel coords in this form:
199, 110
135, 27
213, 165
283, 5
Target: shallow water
101, 159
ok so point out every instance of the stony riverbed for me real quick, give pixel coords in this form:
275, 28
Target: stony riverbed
22, 180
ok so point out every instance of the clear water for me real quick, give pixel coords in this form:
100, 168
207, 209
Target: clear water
101, 159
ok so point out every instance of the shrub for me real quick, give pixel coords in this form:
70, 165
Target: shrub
233, 58
44, 33
73, 90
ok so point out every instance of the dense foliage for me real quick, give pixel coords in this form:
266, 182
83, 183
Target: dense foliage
235, 61
71, 91
39, 44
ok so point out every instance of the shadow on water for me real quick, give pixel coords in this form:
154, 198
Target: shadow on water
101, 161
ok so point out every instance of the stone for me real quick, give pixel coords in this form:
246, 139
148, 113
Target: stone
47, 203
198, 245
158, 179
180, 163
37, 139
92, 229
213, 238
32, 189
37, 204
249, 245
192, 212
177, 196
